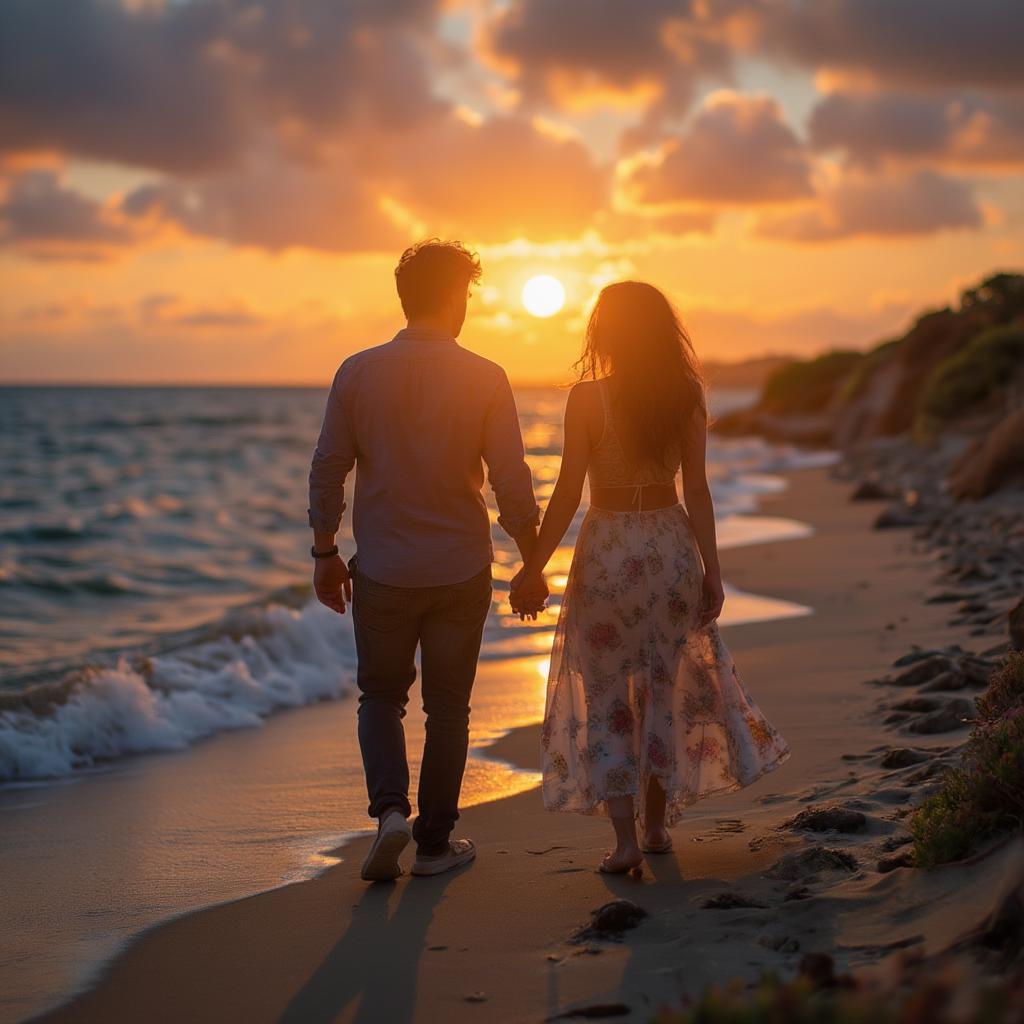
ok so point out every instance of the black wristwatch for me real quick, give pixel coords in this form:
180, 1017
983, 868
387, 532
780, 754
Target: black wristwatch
323, 554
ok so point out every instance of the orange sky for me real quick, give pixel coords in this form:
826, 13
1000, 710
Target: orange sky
201, 192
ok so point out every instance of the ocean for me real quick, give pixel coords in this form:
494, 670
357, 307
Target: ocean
154, 567
155, 594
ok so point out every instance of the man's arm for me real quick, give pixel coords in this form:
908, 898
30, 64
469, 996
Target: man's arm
507, 471
333, 460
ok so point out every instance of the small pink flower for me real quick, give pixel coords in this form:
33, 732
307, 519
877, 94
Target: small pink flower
603, 636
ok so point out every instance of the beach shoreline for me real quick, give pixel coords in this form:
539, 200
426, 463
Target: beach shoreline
332, 948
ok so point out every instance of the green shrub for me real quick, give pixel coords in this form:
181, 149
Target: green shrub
984, 796
919, 1000
808, 385
966, 379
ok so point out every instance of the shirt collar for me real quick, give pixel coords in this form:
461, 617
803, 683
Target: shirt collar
424, 334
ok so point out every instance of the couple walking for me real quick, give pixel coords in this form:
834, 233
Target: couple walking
645, 713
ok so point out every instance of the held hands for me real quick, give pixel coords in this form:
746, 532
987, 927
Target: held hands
332, 583
528, 594
712, 599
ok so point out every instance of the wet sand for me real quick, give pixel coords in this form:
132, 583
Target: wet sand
493, 941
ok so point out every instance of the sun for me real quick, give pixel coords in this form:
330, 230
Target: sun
543, 295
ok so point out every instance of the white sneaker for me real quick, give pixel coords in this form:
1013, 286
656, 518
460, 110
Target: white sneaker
381, 864
459, 852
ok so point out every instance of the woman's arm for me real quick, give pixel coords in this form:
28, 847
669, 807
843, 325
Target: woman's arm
697, 497
565, 499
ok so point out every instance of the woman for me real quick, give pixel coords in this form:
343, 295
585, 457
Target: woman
645, 712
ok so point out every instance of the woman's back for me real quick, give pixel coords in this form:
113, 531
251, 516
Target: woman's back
611, 467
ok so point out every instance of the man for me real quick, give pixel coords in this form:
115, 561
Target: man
418, 417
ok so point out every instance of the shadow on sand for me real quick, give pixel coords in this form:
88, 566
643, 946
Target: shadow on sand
385, 986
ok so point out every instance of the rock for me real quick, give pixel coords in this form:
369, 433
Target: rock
913, 656
797, 866
955, 715
1015, 623
731, 901
927, 773
819, 969
918, 705
870, 490
828, 819
944, 682
780, 943
611, 920
923, 671
902, 757
476, 997
596, 1011
801, 892
903, 859
995, 461
895, 517
947, 597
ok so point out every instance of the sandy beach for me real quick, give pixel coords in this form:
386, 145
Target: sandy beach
499, 941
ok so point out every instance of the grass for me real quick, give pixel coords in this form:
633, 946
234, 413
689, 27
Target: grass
984, 796
965, 380
808, 385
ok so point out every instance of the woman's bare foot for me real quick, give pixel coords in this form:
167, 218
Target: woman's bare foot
621, 860
657, 840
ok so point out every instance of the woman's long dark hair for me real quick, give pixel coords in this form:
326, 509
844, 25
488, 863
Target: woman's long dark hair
635, 337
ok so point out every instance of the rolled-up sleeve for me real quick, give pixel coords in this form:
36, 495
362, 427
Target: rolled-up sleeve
507, 471
333, 459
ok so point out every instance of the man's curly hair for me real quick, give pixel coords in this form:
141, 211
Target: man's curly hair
431, 270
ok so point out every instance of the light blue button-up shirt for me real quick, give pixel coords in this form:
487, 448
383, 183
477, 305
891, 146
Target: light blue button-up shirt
419, 417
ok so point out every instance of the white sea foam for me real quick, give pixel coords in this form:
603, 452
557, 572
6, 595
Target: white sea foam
280, 658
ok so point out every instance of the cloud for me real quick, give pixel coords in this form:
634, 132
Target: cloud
488, 181
930, 43
271, 203
737, 149
582, 53
917, 204
48, 220
185, 87
971, 130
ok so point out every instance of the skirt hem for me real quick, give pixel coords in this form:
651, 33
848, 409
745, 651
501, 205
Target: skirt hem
675, 805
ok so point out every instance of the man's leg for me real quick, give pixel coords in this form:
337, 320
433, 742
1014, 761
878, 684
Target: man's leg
386, 626
450, 634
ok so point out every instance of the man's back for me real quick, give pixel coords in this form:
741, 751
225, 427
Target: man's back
416, 416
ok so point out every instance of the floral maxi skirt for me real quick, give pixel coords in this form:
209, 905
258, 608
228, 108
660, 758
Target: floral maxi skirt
636, 688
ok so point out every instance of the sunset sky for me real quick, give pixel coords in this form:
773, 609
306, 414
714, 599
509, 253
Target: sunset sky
218, 190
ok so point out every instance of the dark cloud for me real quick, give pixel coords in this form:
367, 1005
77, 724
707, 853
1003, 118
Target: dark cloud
47, 219
918, 204
272, 204
950, 129
737, 149
932, 43
184, 87
571, 51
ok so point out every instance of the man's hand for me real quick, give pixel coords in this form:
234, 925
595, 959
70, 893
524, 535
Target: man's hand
528, 594
712, 599
332, 583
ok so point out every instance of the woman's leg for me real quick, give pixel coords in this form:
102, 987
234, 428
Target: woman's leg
626, 854
655, 834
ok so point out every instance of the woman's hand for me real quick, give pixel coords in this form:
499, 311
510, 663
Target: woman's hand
712, 599
528, 594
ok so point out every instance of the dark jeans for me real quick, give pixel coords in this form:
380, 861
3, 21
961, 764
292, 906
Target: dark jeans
447, 624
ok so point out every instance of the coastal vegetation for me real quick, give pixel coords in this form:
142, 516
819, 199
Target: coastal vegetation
956, 369
817, 996
984, 795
